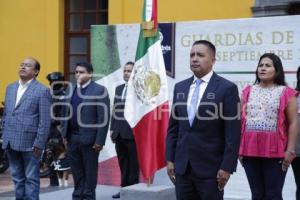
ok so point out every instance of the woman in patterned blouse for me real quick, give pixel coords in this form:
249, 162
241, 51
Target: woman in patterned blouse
269, 129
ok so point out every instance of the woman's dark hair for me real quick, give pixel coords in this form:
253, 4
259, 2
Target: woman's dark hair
298, 80
279, 73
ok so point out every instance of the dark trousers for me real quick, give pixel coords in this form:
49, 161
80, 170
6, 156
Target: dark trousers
128, 162
296, 170
84, 165
265, 177
191, 187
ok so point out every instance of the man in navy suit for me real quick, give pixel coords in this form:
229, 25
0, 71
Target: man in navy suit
85, 131
26, 127
122, 136
204, 129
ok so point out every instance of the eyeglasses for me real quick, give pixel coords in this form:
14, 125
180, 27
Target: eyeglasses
25, 65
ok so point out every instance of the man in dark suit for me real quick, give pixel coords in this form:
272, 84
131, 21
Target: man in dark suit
122, 136
204, 129
26, 128
85, 130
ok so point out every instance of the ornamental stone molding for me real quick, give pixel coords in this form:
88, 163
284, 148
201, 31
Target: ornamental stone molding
263, 8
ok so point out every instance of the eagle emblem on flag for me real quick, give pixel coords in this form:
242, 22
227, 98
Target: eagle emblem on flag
146, 83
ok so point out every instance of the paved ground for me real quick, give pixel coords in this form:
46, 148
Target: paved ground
50, 193
237, 188
103, 193
6, 184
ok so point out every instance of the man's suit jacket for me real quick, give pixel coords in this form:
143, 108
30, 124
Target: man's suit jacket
212, 142
94, 115
119, 125
27, 125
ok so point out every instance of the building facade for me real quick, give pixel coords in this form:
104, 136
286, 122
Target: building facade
57, 32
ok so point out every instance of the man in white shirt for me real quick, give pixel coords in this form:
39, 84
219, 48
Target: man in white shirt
204, 129
122, 135
26, 128
86, 129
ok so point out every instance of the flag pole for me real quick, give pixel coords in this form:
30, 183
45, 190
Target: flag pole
150, 180
149, 65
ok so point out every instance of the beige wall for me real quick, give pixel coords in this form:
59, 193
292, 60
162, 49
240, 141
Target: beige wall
30, 28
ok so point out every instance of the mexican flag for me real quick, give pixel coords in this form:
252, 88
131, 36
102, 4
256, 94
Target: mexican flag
147, 105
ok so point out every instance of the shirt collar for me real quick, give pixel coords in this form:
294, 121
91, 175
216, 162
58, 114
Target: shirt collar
84, 85
25, 84
205, 78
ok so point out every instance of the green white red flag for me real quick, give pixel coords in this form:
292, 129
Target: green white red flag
147, 105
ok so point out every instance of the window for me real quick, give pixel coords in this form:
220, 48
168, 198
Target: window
79, 16
294, 8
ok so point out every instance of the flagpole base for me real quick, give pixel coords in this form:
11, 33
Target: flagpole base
152, 192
